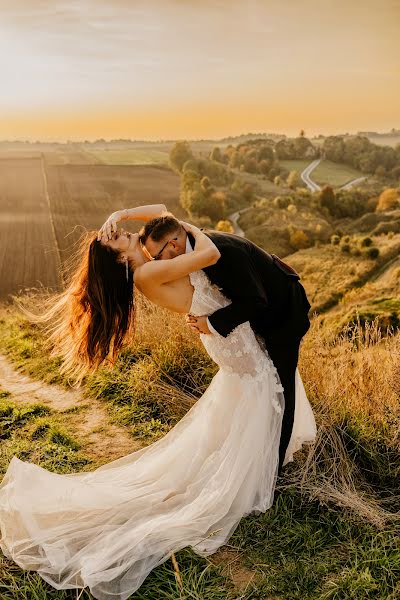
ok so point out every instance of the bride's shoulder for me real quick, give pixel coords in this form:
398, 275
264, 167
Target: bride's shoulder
143, 274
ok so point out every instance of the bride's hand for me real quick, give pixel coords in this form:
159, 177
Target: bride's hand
108, 228
192, 228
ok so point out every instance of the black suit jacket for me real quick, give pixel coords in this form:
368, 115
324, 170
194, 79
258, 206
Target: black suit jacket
263, 289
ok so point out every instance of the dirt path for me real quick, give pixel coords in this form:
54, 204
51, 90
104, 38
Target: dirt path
100, 439
384, 274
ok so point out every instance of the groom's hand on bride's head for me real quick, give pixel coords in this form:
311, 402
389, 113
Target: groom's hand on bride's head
197, 324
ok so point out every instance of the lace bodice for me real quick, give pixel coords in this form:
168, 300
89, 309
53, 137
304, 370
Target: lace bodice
241, 352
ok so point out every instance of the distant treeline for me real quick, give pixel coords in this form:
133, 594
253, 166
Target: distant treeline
262, 156
362, 154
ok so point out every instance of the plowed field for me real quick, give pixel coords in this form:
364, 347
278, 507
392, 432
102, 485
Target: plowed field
44, 208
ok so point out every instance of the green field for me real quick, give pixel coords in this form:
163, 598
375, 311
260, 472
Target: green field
130, 157
295, 165
262, 187
331, 173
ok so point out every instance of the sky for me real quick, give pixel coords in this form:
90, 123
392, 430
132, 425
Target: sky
193, 69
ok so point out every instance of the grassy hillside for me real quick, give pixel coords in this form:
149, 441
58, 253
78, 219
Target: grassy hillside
295, 165
335, 174
328, 535
328, 273
271, 227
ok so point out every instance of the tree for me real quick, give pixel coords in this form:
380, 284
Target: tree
235, 160
302, 147
327, 198
212, 206
216, 154
265, 153
224, 226
263, 167
190, 165
380, 171
293, 179
248, 192
179, 154
250, 164
189, 182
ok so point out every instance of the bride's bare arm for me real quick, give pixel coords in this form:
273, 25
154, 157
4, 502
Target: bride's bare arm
143, 213
137, 213
158, 272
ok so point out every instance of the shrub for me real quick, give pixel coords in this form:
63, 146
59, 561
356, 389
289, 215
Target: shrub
261, 203
335, 239
299, 239
345, 247
280, 202
372, 252
366, 241
277, 180
388, 200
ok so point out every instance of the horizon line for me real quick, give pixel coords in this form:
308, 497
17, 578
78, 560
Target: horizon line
392, 131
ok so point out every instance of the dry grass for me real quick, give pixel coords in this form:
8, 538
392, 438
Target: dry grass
355, 372
352, 381
327, 273
342, 492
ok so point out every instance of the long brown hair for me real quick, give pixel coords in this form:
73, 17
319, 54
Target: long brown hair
88, 322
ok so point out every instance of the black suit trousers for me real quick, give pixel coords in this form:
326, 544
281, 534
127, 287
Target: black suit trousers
285, 357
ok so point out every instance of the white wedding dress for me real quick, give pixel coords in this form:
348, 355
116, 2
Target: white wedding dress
108, 528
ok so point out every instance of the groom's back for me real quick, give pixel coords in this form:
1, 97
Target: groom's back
265, 262
245, 269
238, 254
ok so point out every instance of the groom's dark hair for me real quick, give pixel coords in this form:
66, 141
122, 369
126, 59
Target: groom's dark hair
159, 227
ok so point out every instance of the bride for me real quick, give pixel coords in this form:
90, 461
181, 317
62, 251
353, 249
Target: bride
108, 528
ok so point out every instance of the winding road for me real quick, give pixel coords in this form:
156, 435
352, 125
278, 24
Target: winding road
233, 218
312, 186
350, 184
305, 175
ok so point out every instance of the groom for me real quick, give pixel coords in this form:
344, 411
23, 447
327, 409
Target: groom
263, 290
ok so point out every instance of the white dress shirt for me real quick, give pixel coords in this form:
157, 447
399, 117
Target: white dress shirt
190, 249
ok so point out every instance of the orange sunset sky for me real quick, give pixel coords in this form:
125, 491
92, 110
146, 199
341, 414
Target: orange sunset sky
171, 69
